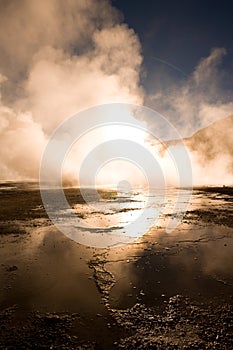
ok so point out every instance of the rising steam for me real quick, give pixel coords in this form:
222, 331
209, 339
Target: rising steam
59, 57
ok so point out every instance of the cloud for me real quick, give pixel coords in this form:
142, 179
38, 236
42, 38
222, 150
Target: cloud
21, 143
60, 57
57, 58
199, 100
193, 105
29, 25
60, 85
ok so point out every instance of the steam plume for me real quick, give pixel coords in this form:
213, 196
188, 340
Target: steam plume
58, 57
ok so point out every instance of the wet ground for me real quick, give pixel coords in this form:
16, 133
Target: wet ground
163, 291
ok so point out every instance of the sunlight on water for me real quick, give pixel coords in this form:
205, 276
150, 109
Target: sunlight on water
128, 214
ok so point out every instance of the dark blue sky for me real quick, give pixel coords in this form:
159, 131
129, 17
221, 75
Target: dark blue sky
175, 35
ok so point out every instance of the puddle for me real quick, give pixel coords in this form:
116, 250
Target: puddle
161, 283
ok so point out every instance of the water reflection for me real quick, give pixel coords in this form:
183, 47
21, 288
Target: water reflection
131, 214
181, 264
194, 260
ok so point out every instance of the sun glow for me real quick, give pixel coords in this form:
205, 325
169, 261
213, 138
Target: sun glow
120, 148
101, 140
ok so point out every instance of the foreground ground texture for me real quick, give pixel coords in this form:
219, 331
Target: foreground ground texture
164, 291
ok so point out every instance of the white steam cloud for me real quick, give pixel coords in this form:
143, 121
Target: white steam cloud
58, 57
200, 100
201, 103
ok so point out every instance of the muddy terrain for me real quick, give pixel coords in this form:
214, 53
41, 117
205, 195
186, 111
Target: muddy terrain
163, 291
